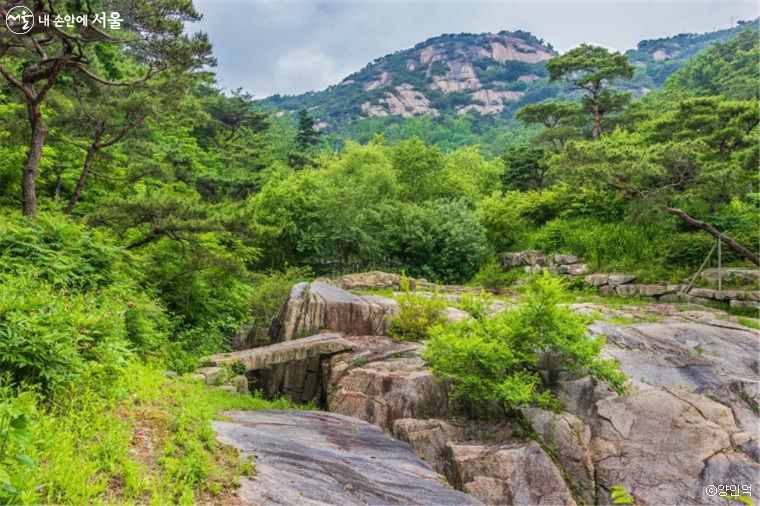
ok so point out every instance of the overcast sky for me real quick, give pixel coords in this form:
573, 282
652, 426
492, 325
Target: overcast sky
290, 47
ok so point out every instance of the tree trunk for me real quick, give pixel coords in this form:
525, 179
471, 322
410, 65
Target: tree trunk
33, 157
597, 132
741, 250
82, 179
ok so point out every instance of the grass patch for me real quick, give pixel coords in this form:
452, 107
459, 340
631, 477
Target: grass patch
749, 322
147, 439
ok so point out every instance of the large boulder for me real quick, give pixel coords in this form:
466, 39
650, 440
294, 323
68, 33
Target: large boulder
487, 460
313, 307
314, 458
713, 357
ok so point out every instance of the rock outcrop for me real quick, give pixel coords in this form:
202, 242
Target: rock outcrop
382, 381
487, 460
313, 307
691, 417
317, 458
692, 412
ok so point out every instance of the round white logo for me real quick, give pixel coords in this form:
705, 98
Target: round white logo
22, 20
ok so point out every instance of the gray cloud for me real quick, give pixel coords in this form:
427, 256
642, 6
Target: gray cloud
290, 47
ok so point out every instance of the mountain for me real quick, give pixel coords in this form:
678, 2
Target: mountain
464, 89
485, 74
657, 59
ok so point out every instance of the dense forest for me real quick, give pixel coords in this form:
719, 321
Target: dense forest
451, 76
146, 213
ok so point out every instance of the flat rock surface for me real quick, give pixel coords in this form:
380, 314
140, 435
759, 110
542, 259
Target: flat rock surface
312, 457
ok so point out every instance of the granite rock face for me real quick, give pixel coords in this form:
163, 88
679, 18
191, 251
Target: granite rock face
286, 352
314, 307
487, 460
375, 280
381, 381
691, 410
317, 458
690, 418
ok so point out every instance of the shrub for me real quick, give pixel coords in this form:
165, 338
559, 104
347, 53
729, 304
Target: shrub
440, 240
70, 304
495, 359
688, 249
417, 314
476, 306
18, 480
51, 338
501, 217
492, 276
55, 250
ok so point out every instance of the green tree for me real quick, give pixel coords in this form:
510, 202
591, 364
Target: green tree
592, 69
524, 169
34, 64
559, 119
307, 138
728, 68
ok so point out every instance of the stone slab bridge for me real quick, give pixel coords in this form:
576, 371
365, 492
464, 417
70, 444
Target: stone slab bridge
292, 369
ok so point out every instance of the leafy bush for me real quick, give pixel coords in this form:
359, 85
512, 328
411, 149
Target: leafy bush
492, 276
439, 240
687, 249
60, 253
18, 481
495, 359
50, 339
476, 306
417, 314
75, 309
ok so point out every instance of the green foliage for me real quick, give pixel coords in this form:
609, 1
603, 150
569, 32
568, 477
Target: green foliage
477, 306
621, 496
495, 359
18, 483
491, 276
75, 309
591, 70
142, 439
417, 314
728, 68
561, 121
384, 218
524, 169
268, 293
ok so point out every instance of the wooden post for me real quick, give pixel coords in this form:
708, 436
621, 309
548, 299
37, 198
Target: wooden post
700, 268
720, 287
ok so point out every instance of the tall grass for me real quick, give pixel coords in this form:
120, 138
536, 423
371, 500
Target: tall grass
614, 246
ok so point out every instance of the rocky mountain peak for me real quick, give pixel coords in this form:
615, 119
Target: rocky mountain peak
484, 71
